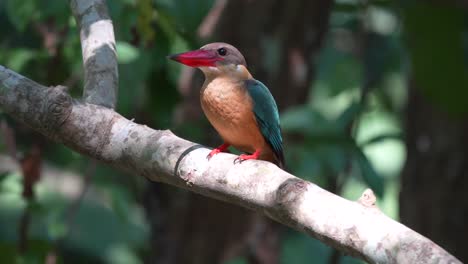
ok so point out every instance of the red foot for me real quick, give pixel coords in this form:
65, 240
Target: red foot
217, 150
243, 157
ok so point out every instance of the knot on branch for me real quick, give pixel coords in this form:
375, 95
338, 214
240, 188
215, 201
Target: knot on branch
288, 197
368, 198
57, 108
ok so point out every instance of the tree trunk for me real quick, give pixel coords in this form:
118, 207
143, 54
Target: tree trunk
434, 183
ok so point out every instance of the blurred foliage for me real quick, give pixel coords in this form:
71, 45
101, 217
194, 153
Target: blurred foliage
348, 135
357, 97
439, 51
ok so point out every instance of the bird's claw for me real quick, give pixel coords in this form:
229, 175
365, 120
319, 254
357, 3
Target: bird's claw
212, 153
238, 160
244, 157
217, 150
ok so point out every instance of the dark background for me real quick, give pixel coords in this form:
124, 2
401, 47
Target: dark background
371, 94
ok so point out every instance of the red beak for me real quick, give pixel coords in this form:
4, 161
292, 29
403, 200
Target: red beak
197, 58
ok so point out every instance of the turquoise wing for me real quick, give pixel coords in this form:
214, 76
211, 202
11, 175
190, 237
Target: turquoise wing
267, 116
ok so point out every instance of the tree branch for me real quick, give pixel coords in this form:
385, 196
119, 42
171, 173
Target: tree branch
358, 229
208, 24
99, 54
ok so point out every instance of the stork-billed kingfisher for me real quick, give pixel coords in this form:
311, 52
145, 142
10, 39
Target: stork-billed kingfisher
240, 108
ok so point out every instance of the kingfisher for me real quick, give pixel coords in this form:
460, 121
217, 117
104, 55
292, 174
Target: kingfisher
239, 107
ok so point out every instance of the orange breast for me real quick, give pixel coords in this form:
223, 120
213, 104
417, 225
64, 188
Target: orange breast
228, 107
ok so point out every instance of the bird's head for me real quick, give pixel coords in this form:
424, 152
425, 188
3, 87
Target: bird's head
213, 58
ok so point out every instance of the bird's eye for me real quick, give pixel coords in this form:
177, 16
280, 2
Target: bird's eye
222, 51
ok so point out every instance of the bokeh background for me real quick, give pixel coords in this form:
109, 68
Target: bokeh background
372, 93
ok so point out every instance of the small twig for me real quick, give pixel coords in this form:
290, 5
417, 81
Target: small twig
368, 198
31, 169
208, 24
9, 139
10, 143
52, 35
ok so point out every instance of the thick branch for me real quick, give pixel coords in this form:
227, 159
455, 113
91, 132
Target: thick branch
356, 228
99, 54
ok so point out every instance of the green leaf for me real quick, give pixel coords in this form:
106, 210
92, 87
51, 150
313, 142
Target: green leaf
380, 138
18, 58
121, 254
58, 10
120, 202
56, 228
368, 173
3, 176
348, 115
297, 119
308, 121
96, 229
339, 70
145, 19
187, 14
126, 52
21, 13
